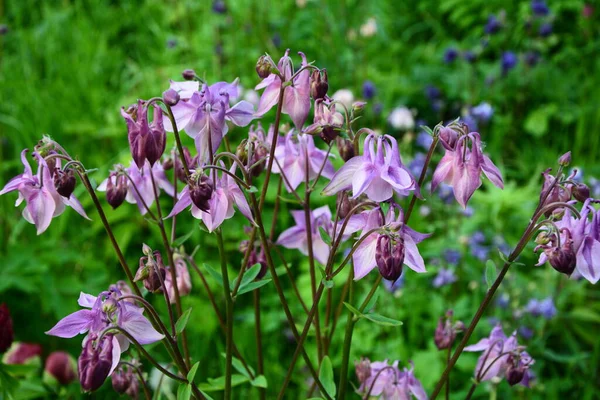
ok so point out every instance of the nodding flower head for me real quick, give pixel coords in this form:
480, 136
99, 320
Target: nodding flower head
116, 189
151, 271
390, 256
378, 173
95, 362
201, 189
146, 141
124, 381
318, 84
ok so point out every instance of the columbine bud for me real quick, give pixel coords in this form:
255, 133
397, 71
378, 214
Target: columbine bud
514, 374
60, 366
116, 193
259, 157
543, 238
242, 151
258, 258
562, 259
152, 272
344, 204
124, 381
201, 191
6, 328
581, 192
565, 159
390, 257
448, 137
189, 74
444, 334
358, 106
318, 84
263, 66
95, 362
22, 353
346, 148
363, 369
64, 181
171, 97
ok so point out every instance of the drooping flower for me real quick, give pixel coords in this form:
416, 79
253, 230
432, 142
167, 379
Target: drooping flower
40, 194
296, 97
393, 226
508, 61
22, 353
378, 173
125, 381
143, 182
99, 357
226, 193
292, 154
203, 114
184, 280
146, 141
444, 277
296, 237
461, 168
327, 121
493, 25
391, 383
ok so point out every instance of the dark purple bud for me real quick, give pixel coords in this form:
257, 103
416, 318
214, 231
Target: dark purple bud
171, 97
363, 369
219, 7
152, 272
508, 61
259, 157
515, 374
444, 334
368, 90
450, 55
346, 148
545, 29
329, 133
344, 204
581, 192
157, 138
95, 362
60, 365
390, 257
319, 84
116, 193
565, 159
178, 164
189, 74
64, 181
358, 106
263, 66
20, 353
258, 258
562, 259
6, 328
124, 381
448, 137
201, 191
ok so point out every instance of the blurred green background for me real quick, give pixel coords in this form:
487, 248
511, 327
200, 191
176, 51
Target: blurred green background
66, 67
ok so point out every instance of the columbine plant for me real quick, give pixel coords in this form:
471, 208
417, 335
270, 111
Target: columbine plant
369, 228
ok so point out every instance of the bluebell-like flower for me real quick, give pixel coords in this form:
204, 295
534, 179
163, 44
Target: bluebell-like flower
452, 256
482, 112
544, 308
539, 8
424, 139
417, 164
450, 55
432, 92
470, 56
444, 277
508, 61
545, 29
368, 90
493, 25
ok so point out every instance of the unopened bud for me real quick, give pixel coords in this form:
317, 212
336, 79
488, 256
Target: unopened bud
95, 362
201, 191
263, 66
358, 106
64, 181
543, 238
448, 137
124, 381
242, 151
329, 133
6, 328
562, 259
319, 84
344, 204
363, 369
116, 193
515, 374
171, 97
60, 365
22, 353
581, 192
258, 258
565, 159
390, 257
444, 334
189, 74
346, 148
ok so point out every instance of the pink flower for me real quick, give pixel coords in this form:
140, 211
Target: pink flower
461, 168
184, 281
296, 98
378, 173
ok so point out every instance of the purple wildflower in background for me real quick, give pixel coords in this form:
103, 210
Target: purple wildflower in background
393, 287
445, 193
482, 112
388, 381
477, 247
452, 256
368, 90
508, 61
532, 58
378, 108
545, 29
471, 122
444, 277
450, 55
470, 56
219, 7
503, 300
539, 8
296, 237
594, 187
416, 165
493, 25
525, 332
544, 308
424, 139
432, 92
468, 212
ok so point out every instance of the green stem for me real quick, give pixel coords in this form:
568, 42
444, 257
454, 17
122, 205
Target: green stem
228, 317
471, 391
258, 337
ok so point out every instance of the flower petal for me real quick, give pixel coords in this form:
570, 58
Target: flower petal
240, 114
343, 178
588, 259
139, 327
184, 202
413, 258
492, 172
364, 257
73, 324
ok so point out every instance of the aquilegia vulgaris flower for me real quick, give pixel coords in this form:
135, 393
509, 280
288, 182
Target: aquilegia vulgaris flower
388, 381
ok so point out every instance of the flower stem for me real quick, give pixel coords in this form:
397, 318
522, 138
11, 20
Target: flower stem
471, 391
258, 337
139, 373
448, 355
228, 317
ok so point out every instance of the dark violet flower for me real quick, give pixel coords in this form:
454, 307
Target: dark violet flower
203, 114
482, 112
147, 141
368, 90
327, 121
470, 56
450, 55
532, 58
493, 25
39, 192
143, 181
508, 61
462, 167
378, 173
296, 237
445, 193
444, 277
545, 29
219, 7
539, 8
226, 193
452, 256
296, 98
544, 308
432, 92
377, 108
525, 332
97, 360
125, 381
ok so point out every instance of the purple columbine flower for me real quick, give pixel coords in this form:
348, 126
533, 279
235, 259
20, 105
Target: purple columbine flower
296, 98
296, 237
327, 121
203, 114
508, 61
226, 193
143, 181
378, 173
461, 167
389, 382
364, 256
40, 194
368, 90
292, 153
444, 277
184, 280
539, 8
146, 141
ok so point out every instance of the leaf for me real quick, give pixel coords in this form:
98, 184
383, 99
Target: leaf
237, 364
490, 273
353, 310
184, 391
253, 286
192, 374
183, 320
181, 240
249, 275
252, 189
373, 300
426, 129
214, 273
538, 121
324, 235
326, 377
259, 381
381, 320
215, 384
585, 314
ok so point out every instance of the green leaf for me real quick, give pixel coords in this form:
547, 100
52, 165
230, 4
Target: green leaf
381, 320
183, 320
249, 275
426, 129
490, 273
215, 384
373, 300
253, 286
181, 240
259, 381
214, 273
353, 310
252, 189
184, 391
192, 374
324, 235
538, 121
326, 377
237, 364
585, 314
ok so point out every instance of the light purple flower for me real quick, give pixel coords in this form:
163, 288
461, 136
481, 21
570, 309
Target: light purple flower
543, 308
40, 195
364, 256
143, 181
292, 153
391, 383
327, 121
146, 141
496, 354
226, 193
482, 112
444, 277
378, 173
461, 168
202, 114
296, 97
296, 237
184, 280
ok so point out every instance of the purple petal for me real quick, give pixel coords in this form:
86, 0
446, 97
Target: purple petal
479, 346
363, 177
292, 238
269, 97
588, 259
13, 184
240, 114
40, 207
443, 170
296, 103
219, 205
75, 205
364, 257
184, 202
413, 258
73, 324
86, 300
378, 190
241, 202
492, 172
343, 178
320, 250
116, 354
183, 112
139, 327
